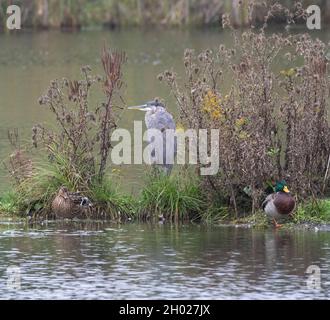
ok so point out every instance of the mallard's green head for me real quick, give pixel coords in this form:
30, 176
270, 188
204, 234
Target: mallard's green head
281, 186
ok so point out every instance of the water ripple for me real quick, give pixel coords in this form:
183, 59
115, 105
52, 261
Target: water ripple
103, 261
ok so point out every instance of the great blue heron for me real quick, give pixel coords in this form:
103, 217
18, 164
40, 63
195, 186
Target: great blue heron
157, 117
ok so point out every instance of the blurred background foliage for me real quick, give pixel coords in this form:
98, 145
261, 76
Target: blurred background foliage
74, 14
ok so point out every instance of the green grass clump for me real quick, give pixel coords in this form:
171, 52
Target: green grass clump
316, 211
8, 203
217, 213
175, 197
35, 194
110, 201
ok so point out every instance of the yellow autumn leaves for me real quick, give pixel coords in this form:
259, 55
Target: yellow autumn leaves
239, 128
288, 73
213, 106
239, 123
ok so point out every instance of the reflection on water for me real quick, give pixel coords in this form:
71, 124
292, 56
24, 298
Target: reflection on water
98, 260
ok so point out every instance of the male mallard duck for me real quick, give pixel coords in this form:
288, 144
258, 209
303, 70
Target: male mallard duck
68, 205
280, 203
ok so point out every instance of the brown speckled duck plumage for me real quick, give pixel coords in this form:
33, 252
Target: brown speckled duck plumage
69, 205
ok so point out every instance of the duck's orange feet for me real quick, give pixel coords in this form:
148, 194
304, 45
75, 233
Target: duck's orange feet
277, 225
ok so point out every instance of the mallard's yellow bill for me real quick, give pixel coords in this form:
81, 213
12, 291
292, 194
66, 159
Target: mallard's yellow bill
286, 189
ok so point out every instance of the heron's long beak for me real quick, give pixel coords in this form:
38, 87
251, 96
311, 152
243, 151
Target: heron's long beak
141, 107
286, 189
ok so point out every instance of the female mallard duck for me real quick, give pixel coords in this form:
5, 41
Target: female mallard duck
280, 203
68, 205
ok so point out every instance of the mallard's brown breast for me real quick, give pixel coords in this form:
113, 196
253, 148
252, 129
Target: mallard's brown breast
284, 203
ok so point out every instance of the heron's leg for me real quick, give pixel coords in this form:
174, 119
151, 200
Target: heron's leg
156, 170
168, 169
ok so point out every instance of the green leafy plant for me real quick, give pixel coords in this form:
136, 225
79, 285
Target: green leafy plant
8, 203
317, 211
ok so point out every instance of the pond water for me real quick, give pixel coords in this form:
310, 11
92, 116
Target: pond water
98, 260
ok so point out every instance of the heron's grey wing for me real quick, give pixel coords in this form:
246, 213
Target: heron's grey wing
162, 120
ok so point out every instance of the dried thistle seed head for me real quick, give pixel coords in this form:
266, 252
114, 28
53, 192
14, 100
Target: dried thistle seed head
168, 73
68, 118
287, 42
225, 20
188, 53
65, 82
43, 100
50, 93
160, 77
86, 69
288, 56
246, 35
91, 116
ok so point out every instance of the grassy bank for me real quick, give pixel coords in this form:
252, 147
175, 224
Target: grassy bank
166, 199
